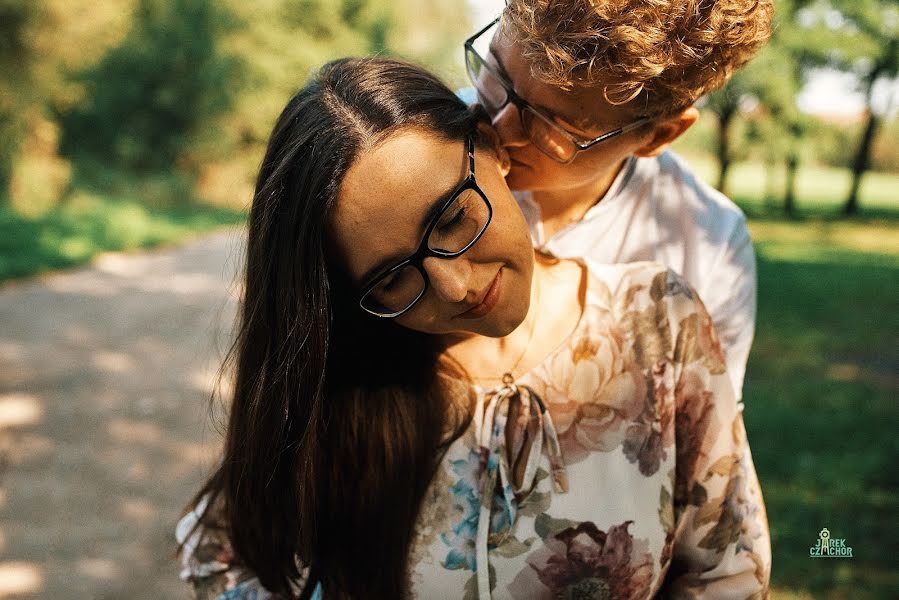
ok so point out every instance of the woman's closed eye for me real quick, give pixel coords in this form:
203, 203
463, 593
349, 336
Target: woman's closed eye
460, 223
463, 207
398, 281
388, 283
454, 217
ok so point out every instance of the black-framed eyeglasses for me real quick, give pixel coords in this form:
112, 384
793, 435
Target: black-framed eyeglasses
458, 224
495, 92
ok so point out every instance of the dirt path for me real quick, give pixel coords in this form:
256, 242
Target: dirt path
104, 435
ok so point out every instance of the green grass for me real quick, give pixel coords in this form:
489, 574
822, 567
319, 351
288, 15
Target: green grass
87, 224
820, 394
820, 190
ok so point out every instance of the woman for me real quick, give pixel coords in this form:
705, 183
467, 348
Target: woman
423, 409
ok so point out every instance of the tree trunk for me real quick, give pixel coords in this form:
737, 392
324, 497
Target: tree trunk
724, 120
770, 183
860, 164
863, 154
790, 192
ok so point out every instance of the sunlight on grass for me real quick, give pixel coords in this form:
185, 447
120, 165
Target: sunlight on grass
819, 189
820, 401
809, 238
87, 224
786, 594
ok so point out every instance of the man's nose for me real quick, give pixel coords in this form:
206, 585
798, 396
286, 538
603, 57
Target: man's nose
449, 277
508, 125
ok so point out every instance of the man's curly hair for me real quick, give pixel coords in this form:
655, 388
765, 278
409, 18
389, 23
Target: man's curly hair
668, 53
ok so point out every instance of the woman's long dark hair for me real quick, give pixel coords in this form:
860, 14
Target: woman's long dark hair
338, 419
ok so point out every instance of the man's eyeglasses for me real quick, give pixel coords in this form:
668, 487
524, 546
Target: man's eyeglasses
455, 228
495, 92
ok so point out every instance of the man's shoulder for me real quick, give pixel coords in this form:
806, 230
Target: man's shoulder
697, 194
676, 185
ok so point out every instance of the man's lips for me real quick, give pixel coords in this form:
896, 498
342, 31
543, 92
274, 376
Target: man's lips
488, 300
518, 163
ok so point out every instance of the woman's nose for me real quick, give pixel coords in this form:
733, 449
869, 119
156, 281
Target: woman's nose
448, 277
508, 125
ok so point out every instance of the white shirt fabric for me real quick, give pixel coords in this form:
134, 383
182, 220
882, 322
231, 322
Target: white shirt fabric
658, 210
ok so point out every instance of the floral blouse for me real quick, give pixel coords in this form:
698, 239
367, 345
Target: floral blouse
626, 475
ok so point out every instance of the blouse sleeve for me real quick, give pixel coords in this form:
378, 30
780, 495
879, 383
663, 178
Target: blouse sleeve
208, 565
721, 542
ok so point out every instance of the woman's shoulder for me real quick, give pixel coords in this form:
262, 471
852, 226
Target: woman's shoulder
207, 559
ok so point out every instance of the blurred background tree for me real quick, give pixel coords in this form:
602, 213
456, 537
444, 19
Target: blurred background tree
859, 38
18, 21
172, 100
167, 102
148, 97
871, 51
14, 21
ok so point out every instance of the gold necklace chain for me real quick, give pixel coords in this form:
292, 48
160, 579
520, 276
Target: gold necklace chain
508, 376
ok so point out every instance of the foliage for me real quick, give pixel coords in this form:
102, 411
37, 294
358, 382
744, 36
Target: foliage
867, 30
90, 223
148, 96
162, 103
869, 34
17, 21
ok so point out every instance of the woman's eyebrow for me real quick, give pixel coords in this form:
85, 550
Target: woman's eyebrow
436, 206
433, 210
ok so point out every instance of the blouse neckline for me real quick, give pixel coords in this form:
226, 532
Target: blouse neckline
585, 282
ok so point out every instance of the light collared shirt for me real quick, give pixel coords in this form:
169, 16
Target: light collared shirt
658, 210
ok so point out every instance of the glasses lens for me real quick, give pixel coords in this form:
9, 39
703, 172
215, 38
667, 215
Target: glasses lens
460, 223
548, 138
491, 90
395, 292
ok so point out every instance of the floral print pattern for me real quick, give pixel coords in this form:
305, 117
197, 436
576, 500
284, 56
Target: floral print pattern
585, 562
467, 504
650, 491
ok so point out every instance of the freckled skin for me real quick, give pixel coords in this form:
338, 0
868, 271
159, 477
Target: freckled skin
567, 190
585, 113
382, 201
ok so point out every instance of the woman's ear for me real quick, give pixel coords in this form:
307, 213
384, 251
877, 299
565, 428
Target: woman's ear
502, 156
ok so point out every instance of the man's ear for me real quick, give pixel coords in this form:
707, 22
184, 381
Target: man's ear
666, 131
489, 133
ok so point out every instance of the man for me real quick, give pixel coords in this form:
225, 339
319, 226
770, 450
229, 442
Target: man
587, 95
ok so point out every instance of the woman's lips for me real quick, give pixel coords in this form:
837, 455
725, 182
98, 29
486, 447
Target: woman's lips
489, 301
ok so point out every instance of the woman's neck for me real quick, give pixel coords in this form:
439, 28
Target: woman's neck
554, 310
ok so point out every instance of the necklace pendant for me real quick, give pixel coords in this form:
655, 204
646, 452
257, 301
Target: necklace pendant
508, 379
